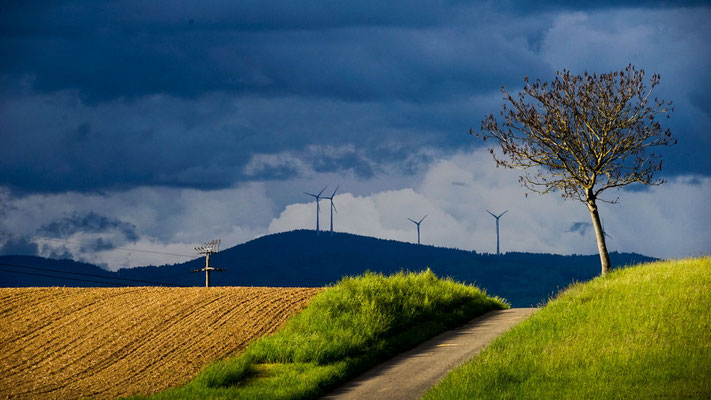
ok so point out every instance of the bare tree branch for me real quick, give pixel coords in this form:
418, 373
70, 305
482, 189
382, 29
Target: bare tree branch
581, 134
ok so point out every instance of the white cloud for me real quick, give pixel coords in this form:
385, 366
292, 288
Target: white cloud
383, 215
167, 220
454, 192
610, 39
664, 221
671, 220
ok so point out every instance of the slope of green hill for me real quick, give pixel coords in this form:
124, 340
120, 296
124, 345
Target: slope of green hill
344, 330
642, 332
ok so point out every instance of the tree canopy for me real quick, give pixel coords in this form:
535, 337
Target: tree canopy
581, 135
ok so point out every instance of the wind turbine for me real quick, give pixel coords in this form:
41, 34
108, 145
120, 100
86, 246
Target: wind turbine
418, 226
603, 229
333, 208
318, 207
497, 228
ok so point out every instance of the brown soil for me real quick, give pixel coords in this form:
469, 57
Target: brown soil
67, 343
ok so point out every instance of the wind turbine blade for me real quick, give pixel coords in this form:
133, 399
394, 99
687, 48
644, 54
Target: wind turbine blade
324, 188
334, 192
492, 214
602, 225
423, 218
310, 194
503, 213
413, 221
334, 207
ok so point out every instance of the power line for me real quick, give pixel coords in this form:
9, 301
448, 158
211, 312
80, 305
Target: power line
115, 248
64, 277
90, 275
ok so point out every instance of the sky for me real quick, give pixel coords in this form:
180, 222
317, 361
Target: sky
159, 126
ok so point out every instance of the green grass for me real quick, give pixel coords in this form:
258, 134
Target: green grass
344, 330
642, 332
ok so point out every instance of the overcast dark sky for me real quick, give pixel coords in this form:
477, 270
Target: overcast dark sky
149, 102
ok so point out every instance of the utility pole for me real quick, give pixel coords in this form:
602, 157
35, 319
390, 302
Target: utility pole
207, 249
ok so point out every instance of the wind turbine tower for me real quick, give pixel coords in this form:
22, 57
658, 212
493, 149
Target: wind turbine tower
333, 208
418, 226
207, 249
497, 228
318, 207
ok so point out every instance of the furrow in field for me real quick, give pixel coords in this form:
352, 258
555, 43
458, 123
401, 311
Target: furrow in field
80, 337
198, 341
60, 308
42, 302
213, 343
137, 340
90, 363
70, 331
12, 298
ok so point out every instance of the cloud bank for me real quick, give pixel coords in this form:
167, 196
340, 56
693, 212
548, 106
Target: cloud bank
132, 124
454, 192
664, 221
194, 104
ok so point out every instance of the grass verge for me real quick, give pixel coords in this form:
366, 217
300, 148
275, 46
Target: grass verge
346, 329
642, 332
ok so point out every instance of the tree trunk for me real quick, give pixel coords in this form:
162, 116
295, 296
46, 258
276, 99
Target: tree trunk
600, 235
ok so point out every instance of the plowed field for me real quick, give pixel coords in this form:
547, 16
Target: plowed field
66, 343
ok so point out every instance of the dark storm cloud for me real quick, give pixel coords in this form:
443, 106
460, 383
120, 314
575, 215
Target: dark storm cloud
17, 245
523, 6
246, 15
99, 244
359, 64
580, 227
98, 95
275, 172
325, 160
371, 51
57, 253
313, 159
353, 51
89, 223
701, 99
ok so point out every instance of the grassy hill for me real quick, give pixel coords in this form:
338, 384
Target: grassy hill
642, 332
68, 343
345, 329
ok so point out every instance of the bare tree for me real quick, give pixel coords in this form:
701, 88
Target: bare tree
582, 135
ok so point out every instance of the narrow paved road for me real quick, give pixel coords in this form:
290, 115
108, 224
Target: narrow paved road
409, 375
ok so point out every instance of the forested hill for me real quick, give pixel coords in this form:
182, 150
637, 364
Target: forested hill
301, 258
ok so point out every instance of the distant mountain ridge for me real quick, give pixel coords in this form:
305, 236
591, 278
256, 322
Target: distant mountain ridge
302, 258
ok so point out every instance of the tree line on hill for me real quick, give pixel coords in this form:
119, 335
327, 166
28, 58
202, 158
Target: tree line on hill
301, 258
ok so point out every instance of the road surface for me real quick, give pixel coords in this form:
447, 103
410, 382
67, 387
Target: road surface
409, 375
